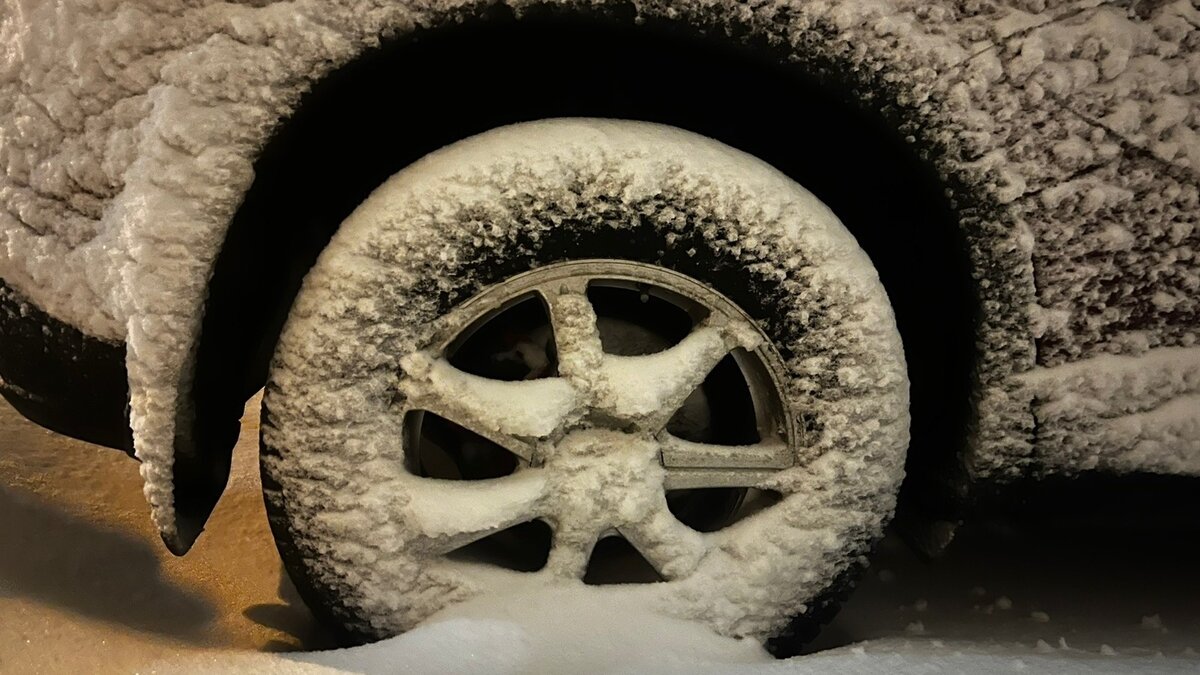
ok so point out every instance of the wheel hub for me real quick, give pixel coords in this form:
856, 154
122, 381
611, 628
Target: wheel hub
624, 470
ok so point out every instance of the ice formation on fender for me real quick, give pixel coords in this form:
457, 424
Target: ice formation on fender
128, 132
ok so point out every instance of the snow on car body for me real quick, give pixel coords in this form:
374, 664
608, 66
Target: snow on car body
1063, 135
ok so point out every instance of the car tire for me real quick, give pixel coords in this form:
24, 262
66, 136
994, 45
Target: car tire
553, 210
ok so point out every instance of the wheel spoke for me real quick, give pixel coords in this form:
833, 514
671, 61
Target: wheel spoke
653, 387
571, 550
445, 515
576, 337
680, 454
674, 549
513, 415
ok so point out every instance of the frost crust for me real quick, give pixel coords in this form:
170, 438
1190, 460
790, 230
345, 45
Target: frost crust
1120, 413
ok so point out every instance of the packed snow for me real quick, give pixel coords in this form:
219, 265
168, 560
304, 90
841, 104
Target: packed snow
585, 631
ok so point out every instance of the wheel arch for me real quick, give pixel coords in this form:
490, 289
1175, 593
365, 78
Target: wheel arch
883, 185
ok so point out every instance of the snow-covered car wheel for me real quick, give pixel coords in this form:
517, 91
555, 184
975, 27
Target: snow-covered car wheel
561, 332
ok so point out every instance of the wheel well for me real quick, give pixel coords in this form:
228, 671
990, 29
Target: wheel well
415, 94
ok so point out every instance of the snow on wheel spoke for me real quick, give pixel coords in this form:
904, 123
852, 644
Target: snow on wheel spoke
445, 515
571, 551
651, 388
576, 337
511, 414
674, 549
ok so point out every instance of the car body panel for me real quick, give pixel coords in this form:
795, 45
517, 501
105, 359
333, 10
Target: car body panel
125, 164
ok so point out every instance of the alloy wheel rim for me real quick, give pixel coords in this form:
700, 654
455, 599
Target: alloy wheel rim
600, 420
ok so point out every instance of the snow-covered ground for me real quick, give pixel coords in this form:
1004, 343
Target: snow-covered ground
85, 586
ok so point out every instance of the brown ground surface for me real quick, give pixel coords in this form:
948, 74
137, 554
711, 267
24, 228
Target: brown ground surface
85, 581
